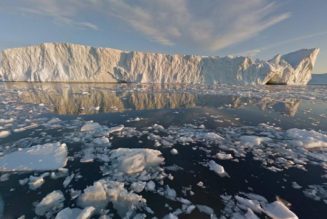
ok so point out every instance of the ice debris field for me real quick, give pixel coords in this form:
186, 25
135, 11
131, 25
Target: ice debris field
133, 151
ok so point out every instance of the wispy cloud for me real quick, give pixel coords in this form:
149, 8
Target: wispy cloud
62, 11
255, 52
206, 24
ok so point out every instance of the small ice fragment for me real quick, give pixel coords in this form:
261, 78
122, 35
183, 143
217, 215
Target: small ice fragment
131, 161
278, 210
76, 213
170, 216
35, 182
217, 168
224, 156
91, 127
250, 141
250, 214
138, 186
4, 134
67, 180
116, 128
51, 202
95, 196
295, 185
150, 186
174, 151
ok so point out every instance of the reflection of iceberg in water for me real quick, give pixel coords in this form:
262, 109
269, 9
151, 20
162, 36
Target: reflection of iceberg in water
93, 98
288, 106
76, 98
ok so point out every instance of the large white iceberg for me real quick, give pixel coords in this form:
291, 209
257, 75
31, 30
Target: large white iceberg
63, 62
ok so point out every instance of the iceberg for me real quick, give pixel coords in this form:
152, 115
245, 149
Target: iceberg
64, 62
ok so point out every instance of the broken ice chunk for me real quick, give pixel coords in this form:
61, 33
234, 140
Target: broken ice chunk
50, 203
278, 210
217, 168
49, 156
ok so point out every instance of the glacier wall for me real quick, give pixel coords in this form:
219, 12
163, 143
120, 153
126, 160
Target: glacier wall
63, 62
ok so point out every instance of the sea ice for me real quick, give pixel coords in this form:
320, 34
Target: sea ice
4, 134
307, 139
130, 161
50, 203
50, 156
217, 168
278, 210
253, 140
76, 213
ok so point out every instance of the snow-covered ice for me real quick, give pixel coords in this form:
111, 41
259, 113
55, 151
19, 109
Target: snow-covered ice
307, 139
130, 161
50, 156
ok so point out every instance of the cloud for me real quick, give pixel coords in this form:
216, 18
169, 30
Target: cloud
255, 52
205, 25
62, 11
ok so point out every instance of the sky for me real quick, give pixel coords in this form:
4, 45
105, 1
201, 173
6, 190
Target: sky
256, 28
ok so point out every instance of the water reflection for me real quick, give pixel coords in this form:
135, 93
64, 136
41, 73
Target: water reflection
76, 99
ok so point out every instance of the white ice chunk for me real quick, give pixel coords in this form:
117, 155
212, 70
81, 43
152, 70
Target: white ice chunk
95, 196
224, 156
76, 213
91, 127
170, 216
4, 134
250, 140
132, 161
174, 151
50, 156
248, 203
51, 202
307, 139
116, 128
102, 192
278, 210
138, 186
217, 168
250, 215
35, 182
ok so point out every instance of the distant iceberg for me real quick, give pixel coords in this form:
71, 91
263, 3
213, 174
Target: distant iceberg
63, 62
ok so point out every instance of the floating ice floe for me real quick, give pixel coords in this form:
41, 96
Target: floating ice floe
252, 204
307, 139
91, 127
103, 192
50, 203
36, 182
277, 210
224, 156
217, 168
130, 161
174, 151
4, 134
75, 213
253, 140
50, 156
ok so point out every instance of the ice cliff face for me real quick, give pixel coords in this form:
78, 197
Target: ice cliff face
61, 62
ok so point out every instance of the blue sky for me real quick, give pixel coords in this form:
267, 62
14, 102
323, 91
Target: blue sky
258, 28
